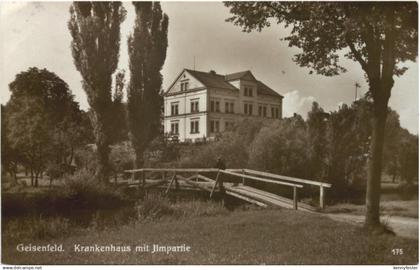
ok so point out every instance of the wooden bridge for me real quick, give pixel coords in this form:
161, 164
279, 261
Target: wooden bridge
238, 183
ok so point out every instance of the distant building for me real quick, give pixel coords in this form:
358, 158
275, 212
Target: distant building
201, 104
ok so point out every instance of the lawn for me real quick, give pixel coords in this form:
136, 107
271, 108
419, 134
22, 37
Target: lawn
401, 208
239, 237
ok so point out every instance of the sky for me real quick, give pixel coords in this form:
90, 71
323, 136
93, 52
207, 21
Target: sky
36, 34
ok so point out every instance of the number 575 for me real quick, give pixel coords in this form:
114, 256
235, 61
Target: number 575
397, 251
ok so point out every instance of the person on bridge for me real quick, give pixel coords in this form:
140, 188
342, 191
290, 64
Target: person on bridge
220, 164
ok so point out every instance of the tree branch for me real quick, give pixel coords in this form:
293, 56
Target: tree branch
356, 54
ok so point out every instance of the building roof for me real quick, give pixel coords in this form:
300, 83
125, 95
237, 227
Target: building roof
239, 75
214, 80
211, 79
263, 89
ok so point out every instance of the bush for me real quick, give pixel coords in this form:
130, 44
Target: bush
232, 146
83, 190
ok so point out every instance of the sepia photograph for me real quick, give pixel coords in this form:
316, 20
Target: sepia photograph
209, 133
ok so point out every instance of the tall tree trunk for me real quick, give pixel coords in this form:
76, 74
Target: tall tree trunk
102, 146
381, 92
373, 192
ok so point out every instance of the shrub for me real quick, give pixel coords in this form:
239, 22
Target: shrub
83, 190
232, 145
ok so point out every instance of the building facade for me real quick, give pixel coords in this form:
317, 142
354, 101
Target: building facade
200, 105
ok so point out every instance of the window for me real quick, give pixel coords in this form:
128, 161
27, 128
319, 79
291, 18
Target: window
273, 115
264, 111
194, 106
214, 126
260, 110
248, 91
214, 106
174, 108
195, 126
277, 113
174, 128
232, 108
184, 86
229, 107
247, 108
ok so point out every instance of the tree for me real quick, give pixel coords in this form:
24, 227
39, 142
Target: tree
282, 148
393, 136
119, 116
10, 157
409, 158
41, 113
379, 36
95, 29
317, 131
147, 52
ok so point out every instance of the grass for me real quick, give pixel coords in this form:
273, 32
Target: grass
239, 237
157, 207
392, 208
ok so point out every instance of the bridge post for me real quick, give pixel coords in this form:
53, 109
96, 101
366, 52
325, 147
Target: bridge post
215, 183
295, 203
170, 184
176, 183
321, 197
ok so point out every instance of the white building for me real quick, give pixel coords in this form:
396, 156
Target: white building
201, 104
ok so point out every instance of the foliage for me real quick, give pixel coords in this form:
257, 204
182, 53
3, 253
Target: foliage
282, 148
122, 157
83, 189
317, 136
380, 37
95, 31
119, 116
42, 121
10, 157
147, 52
232, 146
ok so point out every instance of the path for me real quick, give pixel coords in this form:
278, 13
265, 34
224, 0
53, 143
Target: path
402, 226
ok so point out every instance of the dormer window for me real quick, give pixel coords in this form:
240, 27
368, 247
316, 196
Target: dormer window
248, 91
184, 86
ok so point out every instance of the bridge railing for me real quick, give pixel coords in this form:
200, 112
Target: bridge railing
260, 179
244, 176
322, 185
